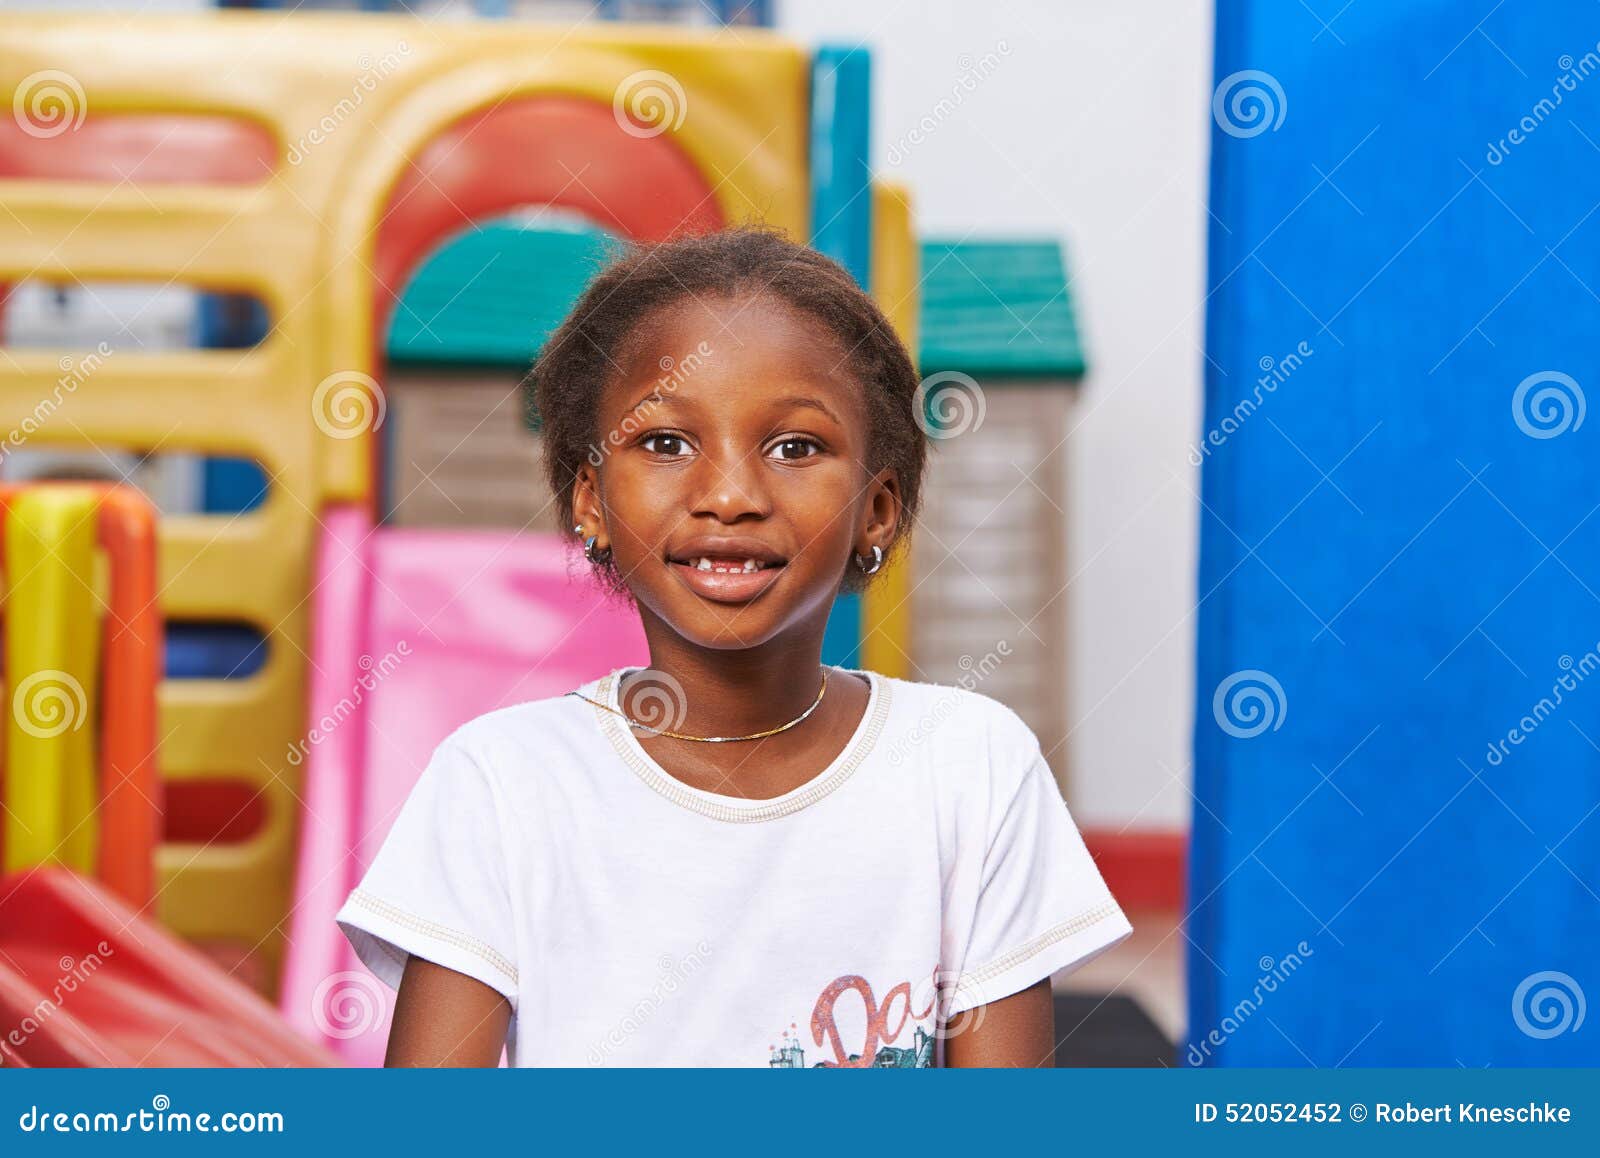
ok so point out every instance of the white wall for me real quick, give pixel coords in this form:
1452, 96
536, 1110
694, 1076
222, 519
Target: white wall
1090, 126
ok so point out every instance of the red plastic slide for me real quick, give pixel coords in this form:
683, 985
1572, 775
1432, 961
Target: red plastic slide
86, 981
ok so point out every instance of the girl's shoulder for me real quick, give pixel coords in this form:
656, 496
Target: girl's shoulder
956, 722
550, 724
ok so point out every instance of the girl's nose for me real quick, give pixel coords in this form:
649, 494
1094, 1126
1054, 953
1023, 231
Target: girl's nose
731, 486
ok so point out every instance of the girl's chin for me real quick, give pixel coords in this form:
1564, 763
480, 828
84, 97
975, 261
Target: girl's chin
731, 611
720, 625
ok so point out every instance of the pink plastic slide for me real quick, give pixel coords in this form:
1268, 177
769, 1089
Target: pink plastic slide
416, 632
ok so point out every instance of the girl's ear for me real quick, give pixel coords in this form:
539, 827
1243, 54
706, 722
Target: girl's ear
586, 510
883, 512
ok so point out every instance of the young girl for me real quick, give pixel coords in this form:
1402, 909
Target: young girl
737, 856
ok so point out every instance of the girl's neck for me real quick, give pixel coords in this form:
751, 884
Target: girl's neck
733, 692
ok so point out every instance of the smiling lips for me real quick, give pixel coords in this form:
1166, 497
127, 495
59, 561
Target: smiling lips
731, 578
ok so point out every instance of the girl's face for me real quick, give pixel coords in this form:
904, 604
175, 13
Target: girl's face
732, 483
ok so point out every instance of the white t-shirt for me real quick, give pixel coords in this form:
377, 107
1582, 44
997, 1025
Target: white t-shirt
632, 920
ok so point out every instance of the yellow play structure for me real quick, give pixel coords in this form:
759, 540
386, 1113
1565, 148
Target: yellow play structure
52, 622
312, 161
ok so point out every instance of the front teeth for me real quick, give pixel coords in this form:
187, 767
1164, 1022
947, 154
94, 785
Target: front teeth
747, 566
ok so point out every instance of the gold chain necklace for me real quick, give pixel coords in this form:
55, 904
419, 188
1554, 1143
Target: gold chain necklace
708, 739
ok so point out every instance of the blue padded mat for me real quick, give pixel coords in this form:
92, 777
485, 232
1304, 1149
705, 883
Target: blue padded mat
1400, 545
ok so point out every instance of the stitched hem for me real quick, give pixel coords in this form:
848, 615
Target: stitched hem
974, 980
676, 792
439, 932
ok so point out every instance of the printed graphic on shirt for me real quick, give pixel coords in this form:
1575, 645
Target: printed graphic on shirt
887, 1042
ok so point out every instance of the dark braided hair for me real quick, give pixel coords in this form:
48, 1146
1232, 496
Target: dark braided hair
619, 304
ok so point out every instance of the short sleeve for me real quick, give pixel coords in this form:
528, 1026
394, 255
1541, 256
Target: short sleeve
439, 887
1042, 905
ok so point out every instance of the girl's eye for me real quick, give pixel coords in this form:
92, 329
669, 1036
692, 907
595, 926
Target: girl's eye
670, 445
792, 449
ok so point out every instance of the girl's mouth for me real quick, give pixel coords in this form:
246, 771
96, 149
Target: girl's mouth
727, 579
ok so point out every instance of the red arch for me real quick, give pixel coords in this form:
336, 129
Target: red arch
541, 150
537, 150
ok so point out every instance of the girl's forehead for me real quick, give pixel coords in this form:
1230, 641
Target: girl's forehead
705, 344
754, 319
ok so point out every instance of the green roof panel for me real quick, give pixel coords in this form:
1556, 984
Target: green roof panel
998, 308
492, 295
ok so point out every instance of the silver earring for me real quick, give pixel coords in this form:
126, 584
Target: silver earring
877, 561
601, 556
